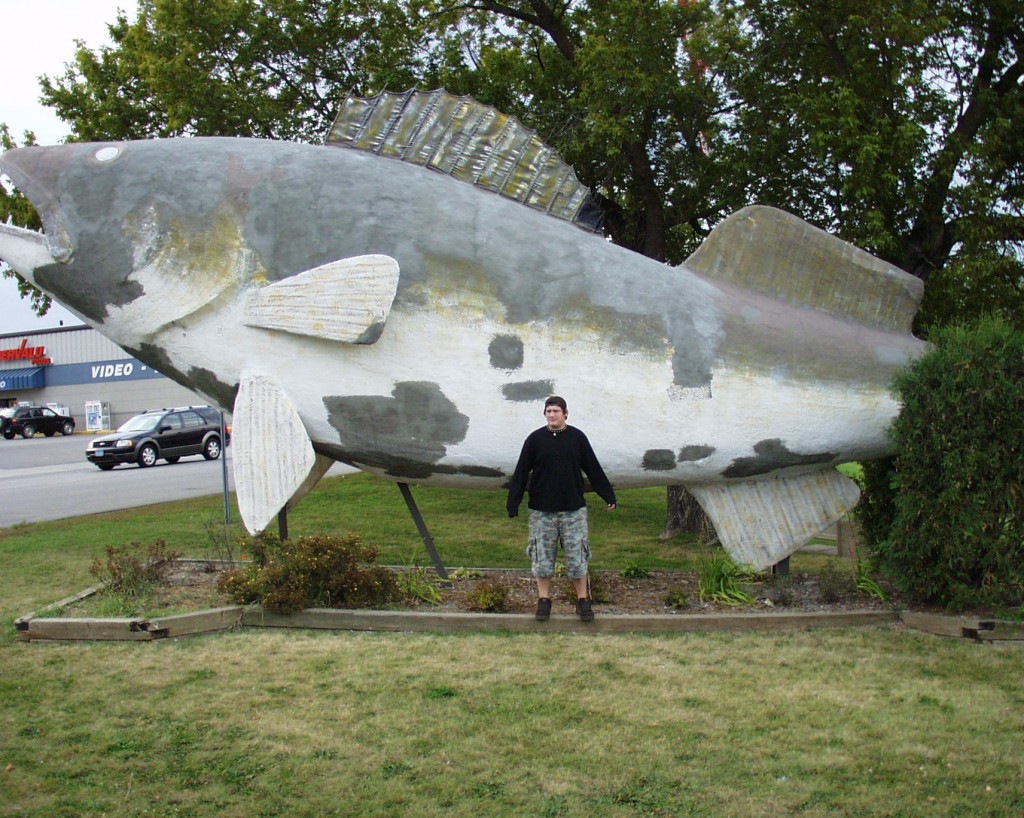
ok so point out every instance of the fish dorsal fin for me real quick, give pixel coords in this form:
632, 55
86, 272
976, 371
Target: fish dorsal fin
469, 141
762, 521
782, 256
347, 300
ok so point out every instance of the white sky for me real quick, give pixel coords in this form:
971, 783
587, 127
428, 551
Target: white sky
38, 37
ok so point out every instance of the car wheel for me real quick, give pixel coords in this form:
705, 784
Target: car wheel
28, 430
211, 450
68, 428
105, 466
174, 459
147, 455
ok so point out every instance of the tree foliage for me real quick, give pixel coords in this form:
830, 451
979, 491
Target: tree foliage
889, 123
16, 209
276, 69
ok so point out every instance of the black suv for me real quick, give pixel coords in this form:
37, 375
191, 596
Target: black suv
27, 420
160, 433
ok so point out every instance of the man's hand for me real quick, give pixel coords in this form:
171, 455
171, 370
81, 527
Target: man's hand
612, 506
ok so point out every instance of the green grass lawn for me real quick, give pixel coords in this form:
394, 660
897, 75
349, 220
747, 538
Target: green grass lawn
857, 722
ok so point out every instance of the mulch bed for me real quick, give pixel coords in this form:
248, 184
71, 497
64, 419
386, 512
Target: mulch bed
195, 582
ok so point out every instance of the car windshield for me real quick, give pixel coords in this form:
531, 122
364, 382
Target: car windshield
140, 423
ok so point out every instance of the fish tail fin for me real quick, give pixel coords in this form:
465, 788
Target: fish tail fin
761, 522
780, 255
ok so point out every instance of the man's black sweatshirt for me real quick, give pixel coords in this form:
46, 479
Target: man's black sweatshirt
551, 467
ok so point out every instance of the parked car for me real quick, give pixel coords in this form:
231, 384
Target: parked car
27, 420
167, 434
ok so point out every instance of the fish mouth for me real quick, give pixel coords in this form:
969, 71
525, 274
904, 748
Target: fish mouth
36, 171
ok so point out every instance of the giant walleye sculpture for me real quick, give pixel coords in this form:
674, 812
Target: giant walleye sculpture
381, 306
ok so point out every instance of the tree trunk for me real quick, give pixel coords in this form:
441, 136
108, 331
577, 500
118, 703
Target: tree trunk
685, 516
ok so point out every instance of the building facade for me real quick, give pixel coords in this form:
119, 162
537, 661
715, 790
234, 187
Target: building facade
78, 372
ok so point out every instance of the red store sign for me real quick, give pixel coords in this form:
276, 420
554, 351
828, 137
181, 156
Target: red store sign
37, 355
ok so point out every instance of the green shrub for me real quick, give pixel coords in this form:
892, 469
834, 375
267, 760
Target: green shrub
416, 585
634, 569
876, 510
676, 598
490, 596
720, 580
131, 570
833, 583
311, 572
957, 537
866, 584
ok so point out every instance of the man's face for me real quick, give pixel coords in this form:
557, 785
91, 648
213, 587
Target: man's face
555, 417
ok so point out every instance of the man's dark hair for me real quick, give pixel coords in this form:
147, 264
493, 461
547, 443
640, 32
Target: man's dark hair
554, 400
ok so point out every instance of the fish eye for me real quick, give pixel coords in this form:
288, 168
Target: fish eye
107, 154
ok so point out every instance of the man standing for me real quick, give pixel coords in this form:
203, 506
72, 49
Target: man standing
551, 464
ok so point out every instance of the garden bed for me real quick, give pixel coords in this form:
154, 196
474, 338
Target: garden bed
188, 602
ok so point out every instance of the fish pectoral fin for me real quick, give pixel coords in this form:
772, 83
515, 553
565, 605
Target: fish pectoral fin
273, 455
761, 522
347, 300
25, 250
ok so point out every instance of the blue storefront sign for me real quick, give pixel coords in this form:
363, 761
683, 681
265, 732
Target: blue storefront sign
99, 372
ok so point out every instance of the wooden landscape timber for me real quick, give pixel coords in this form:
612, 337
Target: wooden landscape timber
966, 627
135, 629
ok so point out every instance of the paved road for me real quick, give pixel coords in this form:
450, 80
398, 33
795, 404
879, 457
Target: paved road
50, 479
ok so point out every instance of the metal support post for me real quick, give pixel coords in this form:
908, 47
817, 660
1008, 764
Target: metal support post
422, 528
282, 523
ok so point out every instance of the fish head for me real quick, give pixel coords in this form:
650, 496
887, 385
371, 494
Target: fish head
136, 237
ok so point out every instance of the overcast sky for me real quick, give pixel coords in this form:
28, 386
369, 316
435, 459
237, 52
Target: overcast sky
38, 37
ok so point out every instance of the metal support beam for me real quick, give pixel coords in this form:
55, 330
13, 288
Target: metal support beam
422, 528
282, 523
781, 568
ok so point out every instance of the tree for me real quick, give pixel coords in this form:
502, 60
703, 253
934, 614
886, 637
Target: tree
276, 69
889, 124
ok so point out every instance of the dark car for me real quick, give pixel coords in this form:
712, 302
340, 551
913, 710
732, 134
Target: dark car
27, 420
168, 434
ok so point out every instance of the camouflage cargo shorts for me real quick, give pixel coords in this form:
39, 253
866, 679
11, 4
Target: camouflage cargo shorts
547, 530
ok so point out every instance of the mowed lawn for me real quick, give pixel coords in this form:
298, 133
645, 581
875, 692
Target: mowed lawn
849, 722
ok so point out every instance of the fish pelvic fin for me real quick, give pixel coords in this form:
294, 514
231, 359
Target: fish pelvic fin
273, 455
780, 255
347, 300
761, 522
320, 467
